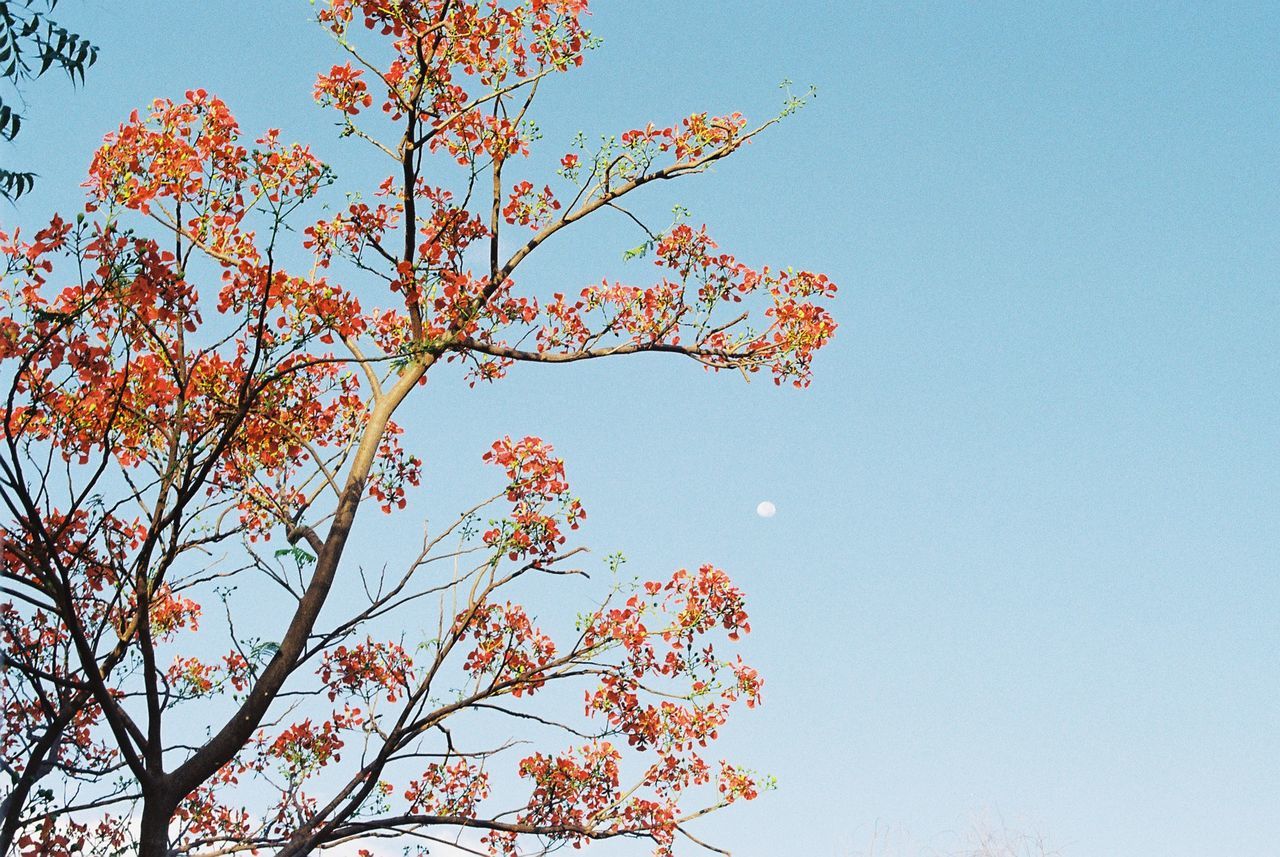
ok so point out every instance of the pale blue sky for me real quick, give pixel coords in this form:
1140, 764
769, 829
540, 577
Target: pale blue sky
1026, 548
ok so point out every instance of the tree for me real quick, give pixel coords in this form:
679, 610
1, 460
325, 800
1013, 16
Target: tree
31, 43
191, 427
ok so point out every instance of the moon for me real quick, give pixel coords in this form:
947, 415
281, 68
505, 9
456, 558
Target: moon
766, 509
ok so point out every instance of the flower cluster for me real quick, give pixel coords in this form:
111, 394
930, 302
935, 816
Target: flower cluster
342, 88
366, 670
508, 648
539, 496
448, 789
527, 208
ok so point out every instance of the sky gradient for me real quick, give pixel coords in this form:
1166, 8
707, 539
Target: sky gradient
1026, 546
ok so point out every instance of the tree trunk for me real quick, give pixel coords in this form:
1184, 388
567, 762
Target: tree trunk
153, 839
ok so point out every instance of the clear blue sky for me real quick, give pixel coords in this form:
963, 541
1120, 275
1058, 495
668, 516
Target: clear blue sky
1027, 545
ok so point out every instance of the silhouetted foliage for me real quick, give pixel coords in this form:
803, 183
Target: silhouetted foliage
32, 43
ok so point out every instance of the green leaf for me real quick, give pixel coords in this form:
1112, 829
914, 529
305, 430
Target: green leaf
636, 252
298, 555
264, 651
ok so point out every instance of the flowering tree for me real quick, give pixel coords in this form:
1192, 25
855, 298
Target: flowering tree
188, 421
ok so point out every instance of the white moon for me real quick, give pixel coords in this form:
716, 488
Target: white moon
766, 509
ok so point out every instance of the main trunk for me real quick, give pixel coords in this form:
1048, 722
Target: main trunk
153, 838
228, 741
